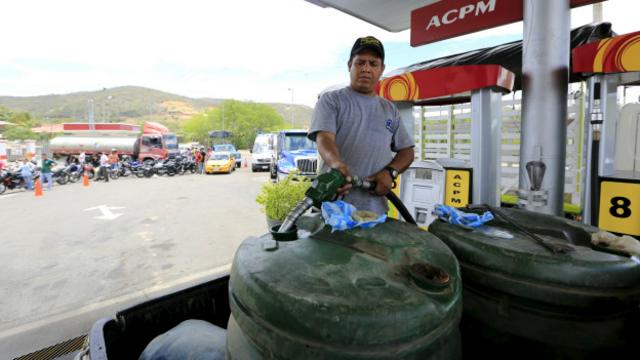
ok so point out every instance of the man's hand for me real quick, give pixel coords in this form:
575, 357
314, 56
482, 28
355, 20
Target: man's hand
329, 152
344, 170
383, 180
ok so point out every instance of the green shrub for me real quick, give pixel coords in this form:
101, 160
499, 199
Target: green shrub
278, 199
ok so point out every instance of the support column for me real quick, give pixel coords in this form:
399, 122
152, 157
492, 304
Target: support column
609, 103
486, 113
592, 108
545, 75
406, 113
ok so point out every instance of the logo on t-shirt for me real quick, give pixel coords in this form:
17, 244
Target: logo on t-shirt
389, 125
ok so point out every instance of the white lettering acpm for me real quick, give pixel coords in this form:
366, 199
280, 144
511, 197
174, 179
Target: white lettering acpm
451, 16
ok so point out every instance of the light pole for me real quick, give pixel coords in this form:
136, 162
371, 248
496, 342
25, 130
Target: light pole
291, 108
109, 108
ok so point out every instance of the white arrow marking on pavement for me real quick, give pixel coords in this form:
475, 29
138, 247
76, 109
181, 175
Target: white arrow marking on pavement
106, 212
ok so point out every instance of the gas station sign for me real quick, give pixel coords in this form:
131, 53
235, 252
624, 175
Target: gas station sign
451, 18
620, 206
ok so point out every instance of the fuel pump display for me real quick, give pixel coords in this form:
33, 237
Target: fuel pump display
428, 183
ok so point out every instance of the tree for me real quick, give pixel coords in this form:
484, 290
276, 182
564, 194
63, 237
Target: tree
18, 133
5, 114
242, 119
23, 122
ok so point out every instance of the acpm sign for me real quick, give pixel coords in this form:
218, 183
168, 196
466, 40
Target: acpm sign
450, 18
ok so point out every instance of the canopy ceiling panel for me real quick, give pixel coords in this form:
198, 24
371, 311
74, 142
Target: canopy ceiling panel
391, 15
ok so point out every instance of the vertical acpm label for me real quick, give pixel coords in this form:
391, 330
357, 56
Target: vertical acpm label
457, 188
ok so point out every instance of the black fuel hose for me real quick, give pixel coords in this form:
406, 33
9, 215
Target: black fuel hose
595, 190
406, 215
391, 196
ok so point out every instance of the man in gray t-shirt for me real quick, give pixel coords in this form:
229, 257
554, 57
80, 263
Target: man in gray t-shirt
358, 132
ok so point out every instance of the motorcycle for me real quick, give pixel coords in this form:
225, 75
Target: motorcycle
125, 169
164, 167
10, 180
113, 171
74, 171
90, 170
60, 176
137, 168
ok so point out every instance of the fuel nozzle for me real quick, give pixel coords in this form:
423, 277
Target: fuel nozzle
323, 188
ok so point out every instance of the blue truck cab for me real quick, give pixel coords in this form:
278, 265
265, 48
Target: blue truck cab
295, 153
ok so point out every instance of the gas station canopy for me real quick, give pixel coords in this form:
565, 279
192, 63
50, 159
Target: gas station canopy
392, 16
610, 55
509, 55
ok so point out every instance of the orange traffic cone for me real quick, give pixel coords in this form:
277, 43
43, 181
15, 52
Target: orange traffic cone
38, 188
85, 179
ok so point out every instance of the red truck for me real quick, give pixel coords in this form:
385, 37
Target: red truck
155, 141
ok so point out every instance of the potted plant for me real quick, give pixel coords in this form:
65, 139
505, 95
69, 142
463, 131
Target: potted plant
277, 200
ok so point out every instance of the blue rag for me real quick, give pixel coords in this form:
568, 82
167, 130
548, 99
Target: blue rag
338, 215
465, 220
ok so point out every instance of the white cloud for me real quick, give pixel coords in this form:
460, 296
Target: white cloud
248, 49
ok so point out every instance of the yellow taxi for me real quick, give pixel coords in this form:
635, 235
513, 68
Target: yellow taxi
220, 163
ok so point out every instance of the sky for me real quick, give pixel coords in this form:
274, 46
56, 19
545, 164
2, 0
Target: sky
265, 51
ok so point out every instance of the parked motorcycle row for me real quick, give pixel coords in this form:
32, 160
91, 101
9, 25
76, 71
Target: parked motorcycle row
10, 177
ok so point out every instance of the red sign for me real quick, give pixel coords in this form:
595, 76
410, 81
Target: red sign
451, 18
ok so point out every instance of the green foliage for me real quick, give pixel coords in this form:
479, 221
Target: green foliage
4, 113
23, 122
18, 133
278, 199
242, 119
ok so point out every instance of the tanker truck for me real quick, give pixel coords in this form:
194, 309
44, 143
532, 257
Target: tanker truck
154, 142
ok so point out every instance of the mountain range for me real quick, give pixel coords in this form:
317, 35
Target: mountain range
132, 104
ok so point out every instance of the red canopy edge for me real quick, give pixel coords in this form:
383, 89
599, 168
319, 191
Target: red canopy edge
420, 86
611, 55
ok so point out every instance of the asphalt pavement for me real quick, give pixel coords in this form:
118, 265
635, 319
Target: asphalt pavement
78, 253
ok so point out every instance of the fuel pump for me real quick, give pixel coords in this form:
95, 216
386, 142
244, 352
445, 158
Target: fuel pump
612, 196
428, 183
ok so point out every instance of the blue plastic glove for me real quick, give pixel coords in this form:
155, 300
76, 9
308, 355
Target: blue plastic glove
465, 220
337, 214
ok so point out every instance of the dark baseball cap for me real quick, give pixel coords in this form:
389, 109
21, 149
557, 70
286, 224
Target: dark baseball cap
367, 42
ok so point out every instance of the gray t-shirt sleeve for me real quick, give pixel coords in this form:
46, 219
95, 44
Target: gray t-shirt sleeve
401, 139
325, 116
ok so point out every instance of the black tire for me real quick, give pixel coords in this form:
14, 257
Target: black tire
2, 188
171, 172
74, 177
139, 173
148, 173
63, 179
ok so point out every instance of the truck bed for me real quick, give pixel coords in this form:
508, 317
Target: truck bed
125, 336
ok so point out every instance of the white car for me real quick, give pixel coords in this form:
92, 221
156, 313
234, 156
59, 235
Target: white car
262, 154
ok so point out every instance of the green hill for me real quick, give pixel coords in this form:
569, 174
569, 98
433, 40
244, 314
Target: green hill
131, 104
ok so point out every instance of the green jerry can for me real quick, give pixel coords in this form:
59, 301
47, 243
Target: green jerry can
522, 300
390, 292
